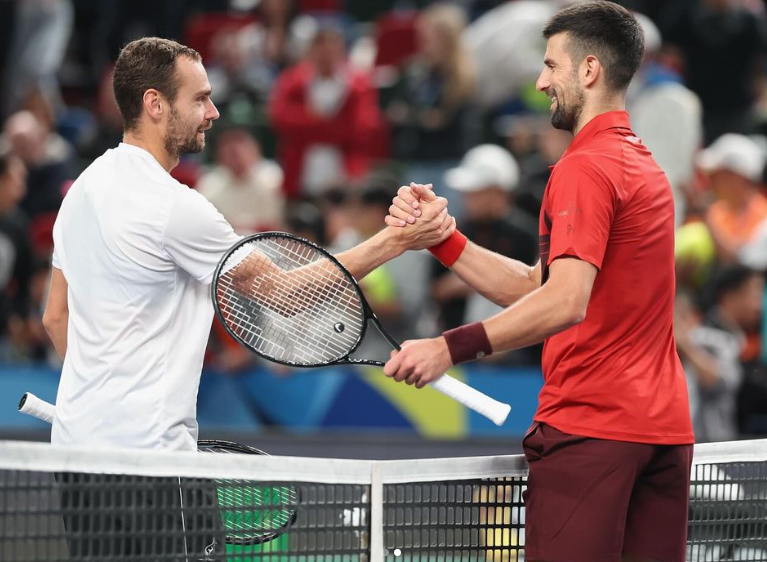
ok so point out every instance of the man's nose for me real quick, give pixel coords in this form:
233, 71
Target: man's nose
543, 83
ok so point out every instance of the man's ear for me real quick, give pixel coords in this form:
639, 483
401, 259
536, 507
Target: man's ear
590, 71
154, 104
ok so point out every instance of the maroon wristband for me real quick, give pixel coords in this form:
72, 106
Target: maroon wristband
467, 343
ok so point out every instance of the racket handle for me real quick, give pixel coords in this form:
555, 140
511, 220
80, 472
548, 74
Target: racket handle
495, 411
34, 406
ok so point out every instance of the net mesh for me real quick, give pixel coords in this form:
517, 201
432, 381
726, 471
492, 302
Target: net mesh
289, 302
65, 505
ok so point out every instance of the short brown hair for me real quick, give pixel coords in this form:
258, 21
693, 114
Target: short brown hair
146, 63
606, 30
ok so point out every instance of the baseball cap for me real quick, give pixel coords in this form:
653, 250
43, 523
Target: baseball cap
484, 166
736, 153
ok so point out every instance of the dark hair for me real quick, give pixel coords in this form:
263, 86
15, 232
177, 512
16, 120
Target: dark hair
728, 280
306, 217
603, 29
146, 63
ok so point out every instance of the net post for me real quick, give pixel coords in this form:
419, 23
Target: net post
376, 512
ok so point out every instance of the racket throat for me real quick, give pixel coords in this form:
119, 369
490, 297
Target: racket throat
375, 347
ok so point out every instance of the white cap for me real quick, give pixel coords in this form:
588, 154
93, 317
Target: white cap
484, 166
652, 36
736, 153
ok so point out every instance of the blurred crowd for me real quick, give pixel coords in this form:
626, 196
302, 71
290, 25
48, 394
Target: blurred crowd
328, 106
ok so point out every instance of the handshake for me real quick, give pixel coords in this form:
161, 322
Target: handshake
419, 219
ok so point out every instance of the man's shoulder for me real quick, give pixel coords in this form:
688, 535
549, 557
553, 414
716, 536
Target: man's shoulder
119, 176
595, 162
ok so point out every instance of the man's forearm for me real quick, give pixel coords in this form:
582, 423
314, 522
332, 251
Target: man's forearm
532, 319
372, 253
499, 279
57, 332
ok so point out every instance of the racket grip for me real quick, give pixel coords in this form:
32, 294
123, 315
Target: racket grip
34, 406
495, 411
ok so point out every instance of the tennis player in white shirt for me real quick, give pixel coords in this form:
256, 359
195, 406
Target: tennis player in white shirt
134, 254
129, 309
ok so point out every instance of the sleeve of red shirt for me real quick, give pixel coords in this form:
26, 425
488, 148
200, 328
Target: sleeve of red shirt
581, 204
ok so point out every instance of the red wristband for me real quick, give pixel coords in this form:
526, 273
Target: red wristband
468, 342
450, 249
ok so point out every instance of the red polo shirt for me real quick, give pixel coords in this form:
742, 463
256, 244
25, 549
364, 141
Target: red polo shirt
616, 375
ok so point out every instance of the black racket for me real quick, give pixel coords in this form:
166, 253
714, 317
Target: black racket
251, 512
291, 302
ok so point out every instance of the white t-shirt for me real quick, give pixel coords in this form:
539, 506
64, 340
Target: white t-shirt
138, 250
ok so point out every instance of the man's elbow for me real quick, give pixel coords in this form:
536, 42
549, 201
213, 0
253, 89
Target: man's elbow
53, 320
574, 310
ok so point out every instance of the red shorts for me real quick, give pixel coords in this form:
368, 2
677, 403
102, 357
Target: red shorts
592, 500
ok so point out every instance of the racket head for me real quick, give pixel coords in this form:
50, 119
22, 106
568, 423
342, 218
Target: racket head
330, 322
251, 512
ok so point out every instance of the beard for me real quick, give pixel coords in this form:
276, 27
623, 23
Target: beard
565, 116
181, 137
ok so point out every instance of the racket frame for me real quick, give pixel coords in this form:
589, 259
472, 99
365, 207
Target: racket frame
369, 314
222, 446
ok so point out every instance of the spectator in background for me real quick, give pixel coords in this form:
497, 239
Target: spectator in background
487, 178
723, 45
16, 257
666, 116
734, 164
324, 114
41, 31
430, 108
338, 207
276, 17
536, 146
47, 156
711, 351
237, 72
306, 220
109, 123
244, 186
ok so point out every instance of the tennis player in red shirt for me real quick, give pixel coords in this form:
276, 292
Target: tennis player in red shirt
610, 447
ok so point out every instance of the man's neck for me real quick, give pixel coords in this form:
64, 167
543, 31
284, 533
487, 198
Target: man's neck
598, 108
154, 146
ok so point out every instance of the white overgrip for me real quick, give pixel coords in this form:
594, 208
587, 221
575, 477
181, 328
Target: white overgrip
492, 409
34, 406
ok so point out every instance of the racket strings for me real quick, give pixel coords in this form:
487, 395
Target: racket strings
288, 301
253, 509
302, 338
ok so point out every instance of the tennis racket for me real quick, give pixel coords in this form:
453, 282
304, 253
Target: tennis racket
251, 512
291, 302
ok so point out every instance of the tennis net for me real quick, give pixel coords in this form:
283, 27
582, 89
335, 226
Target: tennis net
72, 504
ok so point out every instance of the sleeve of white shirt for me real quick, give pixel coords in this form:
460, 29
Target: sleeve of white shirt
56, 258
197, 235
